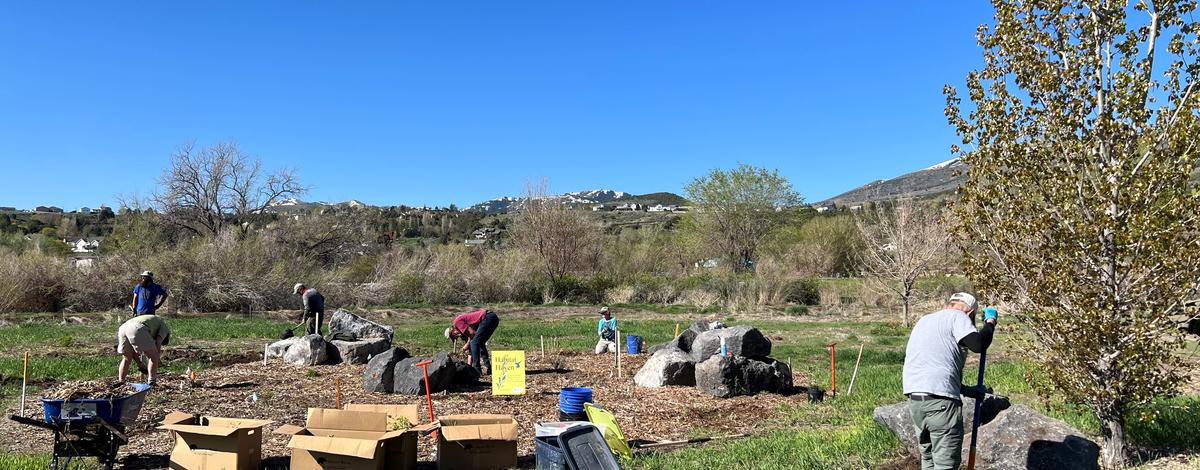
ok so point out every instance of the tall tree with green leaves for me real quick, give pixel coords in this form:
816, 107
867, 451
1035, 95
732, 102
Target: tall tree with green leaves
1081, 138
735, 210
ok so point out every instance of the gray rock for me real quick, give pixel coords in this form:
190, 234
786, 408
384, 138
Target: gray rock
380, 372
279, 348
667, 367
1015, 438
347, 325
357, 352
743, 340
683, 342
1021, 438
897, 418
729, 376
307, 350
409, 379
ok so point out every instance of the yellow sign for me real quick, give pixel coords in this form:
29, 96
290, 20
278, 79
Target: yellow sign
508, 372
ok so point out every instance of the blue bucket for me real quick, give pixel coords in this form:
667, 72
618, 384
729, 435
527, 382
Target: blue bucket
571, 399
633, 344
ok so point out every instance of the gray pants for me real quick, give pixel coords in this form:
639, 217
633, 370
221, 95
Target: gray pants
939, 427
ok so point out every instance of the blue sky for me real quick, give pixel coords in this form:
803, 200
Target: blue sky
456, 102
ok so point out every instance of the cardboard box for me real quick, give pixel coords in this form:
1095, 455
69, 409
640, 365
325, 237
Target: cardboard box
477, 442
354, 439
211, 443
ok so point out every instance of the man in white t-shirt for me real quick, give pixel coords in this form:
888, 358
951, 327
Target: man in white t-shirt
933, 364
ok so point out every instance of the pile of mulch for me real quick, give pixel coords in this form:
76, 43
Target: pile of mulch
89, 390
283, 393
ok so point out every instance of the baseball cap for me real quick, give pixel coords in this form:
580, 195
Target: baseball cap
147, 274
296, 288
603, 310
448, 332
966, 299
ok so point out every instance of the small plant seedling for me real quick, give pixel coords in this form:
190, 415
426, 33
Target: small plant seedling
312, 373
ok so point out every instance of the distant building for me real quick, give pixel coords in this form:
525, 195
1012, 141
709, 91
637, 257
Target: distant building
48, 209
630, 207
657, 208
602, 208
8, 209
84, 245
708, 263
485, 233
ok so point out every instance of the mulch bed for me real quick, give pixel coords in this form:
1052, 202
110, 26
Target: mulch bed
283, 393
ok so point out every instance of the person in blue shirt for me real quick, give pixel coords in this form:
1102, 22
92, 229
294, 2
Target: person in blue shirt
607, 330
148, 297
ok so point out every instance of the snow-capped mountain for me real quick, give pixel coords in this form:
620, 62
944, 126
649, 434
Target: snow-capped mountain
942, 178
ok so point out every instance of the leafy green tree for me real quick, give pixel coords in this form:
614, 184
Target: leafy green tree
735, 210
1081, 138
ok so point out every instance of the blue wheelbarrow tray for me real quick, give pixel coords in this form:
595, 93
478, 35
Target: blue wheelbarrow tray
123, 410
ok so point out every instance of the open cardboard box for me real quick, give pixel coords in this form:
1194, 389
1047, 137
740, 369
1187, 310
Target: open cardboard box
477, 442
355, 438
211, 443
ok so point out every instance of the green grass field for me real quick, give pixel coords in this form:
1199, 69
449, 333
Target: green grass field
837, 434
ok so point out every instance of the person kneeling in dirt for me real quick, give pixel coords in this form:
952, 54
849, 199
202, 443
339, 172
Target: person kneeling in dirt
933, 364
477, 328
607, 329
143, 334
314, 308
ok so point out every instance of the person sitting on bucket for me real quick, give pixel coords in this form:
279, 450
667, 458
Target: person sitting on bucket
933, 364
143, 334
607, 329
477, 328
314, 307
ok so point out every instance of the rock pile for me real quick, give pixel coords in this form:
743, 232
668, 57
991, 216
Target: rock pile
693, 359
1011, 438
394, 371
352, 339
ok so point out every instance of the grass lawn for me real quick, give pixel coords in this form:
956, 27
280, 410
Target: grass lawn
839, 433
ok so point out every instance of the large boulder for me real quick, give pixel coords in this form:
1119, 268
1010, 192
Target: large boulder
667, 367
1021, 438
308, 350
279, 348
743, 340
408, 378
357, 352
896, 416
346, 325
729, 376
683, 342
1010, 438
464, 374
380, 372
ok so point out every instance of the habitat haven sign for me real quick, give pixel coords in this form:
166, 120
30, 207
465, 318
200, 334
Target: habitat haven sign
508, 372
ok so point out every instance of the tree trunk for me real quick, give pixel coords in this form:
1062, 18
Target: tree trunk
906, 311
1112, 451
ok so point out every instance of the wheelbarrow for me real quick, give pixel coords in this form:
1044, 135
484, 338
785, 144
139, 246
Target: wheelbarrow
88, 427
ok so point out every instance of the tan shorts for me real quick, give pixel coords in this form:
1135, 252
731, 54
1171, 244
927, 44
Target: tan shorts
135, 337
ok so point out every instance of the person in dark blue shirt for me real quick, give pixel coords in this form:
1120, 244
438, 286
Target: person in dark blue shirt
147, 296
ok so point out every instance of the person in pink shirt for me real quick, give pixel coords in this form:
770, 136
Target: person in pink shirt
476, 328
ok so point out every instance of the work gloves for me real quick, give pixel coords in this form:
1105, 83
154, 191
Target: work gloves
975, 391
990, 313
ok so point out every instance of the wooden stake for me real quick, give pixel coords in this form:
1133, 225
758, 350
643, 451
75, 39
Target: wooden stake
543, 347
24, 381
833, 369
338, 387
855, 374
265, 348
676, 329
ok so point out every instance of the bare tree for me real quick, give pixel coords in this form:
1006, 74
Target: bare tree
207, 189
564, 239
901, 243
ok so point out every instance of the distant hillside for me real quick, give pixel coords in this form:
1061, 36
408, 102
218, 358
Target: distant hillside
936, 180
506, 204
664, 198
